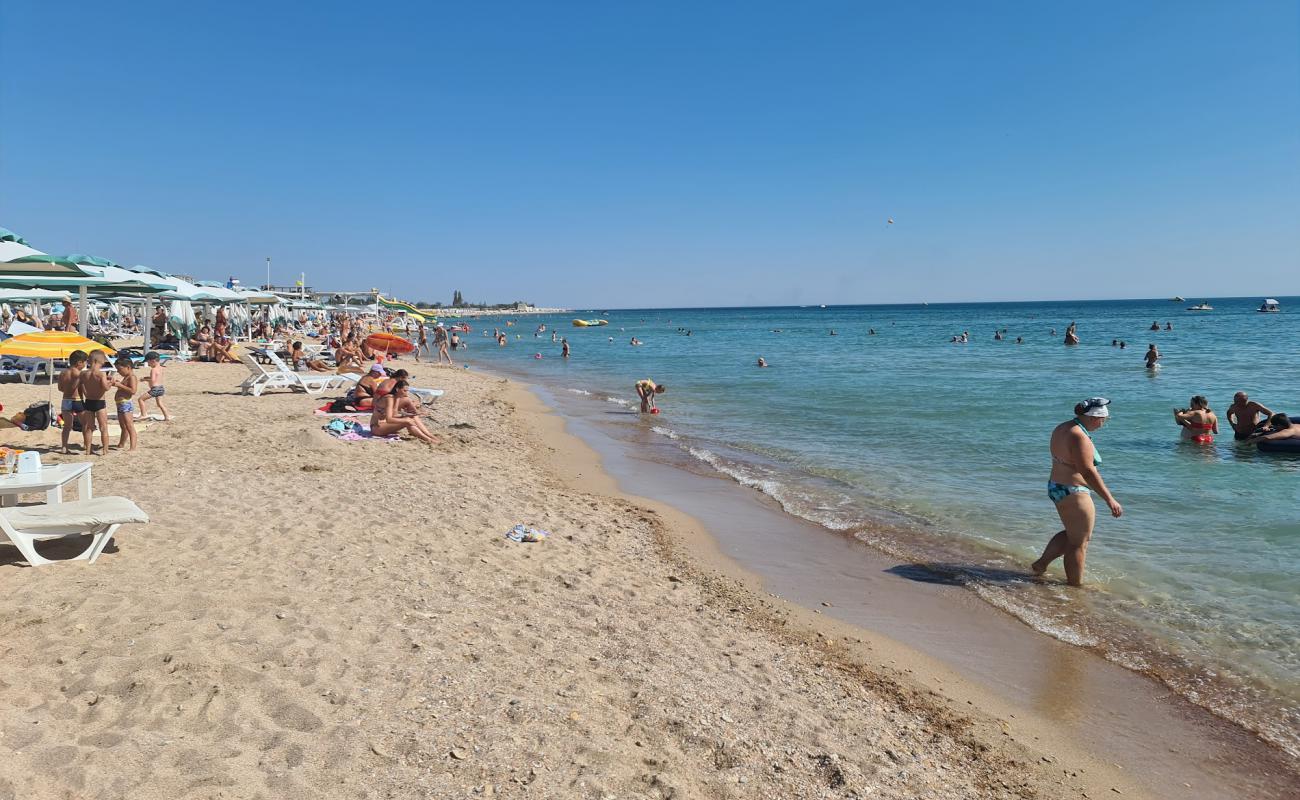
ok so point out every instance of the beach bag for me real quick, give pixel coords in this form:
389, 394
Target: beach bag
339, 406
36, 417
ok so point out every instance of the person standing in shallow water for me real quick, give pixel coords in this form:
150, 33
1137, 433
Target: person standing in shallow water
1073, 479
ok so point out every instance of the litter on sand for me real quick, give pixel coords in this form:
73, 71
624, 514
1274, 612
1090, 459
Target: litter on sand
522, 533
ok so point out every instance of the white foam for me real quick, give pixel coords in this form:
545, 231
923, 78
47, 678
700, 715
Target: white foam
1031, 617
664, 431
583, 392
791, 501
617, 401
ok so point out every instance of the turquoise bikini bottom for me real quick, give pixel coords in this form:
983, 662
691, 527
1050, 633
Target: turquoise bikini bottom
1060, 491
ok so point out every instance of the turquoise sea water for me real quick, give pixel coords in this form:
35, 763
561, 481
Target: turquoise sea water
937, 454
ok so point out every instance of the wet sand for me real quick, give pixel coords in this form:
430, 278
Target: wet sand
1043, 689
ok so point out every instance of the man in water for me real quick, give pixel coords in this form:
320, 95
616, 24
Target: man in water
564, 347
646, 389
1243, 415
761, 362
1152, 356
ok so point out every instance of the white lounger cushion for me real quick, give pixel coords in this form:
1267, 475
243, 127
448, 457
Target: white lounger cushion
96, 512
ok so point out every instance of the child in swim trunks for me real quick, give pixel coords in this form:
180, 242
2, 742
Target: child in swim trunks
94, 385
70, 386
126, 384
156, 389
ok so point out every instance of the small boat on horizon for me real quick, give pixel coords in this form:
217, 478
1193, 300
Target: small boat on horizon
1204, 306
1270, 306
1177, 299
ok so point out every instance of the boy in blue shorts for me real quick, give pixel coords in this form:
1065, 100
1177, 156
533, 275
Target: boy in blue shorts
156, 389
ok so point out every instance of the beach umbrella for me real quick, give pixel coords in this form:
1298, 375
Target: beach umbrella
49, 345
14, 246
64, 272
42, 265
180, 318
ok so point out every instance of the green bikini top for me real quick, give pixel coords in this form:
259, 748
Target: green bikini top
1096, 457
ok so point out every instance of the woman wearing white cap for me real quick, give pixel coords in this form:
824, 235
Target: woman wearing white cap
1074, 478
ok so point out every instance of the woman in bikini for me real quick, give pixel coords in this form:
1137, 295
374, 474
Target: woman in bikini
386, 420
1074, 478
363, 396
1199, 423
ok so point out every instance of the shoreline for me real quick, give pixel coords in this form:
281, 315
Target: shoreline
310, 617
1202, 737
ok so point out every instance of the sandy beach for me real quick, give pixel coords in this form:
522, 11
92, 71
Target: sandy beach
305, 617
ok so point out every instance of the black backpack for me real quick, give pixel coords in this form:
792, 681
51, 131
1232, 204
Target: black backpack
36, 417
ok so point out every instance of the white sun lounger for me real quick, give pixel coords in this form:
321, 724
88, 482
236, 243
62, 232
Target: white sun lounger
260, 378
312, 383
98, 517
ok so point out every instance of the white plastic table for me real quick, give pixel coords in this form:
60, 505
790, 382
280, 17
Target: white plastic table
50, 480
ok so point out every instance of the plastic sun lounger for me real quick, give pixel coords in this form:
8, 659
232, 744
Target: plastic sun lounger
311, 383
260, 378
98, 517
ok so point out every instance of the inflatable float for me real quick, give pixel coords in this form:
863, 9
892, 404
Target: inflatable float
389, 343
589, 323
1282, 445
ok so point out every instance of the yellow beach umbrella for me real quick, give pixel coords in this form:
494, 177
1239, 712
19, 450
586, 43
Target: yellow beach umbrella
49, 345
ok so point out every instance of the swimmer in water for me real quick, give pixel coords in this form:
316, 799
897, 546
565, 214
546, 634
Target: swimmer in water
1071, 335
1243, 415
1169, 326
1198, 422
761, 362
1073, 479
1155, 326
871, 331
1152, 356
1280, 426
997, 336
833, 333
1019, 340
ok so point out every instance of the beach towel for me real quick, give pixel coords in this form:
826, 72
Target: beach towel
327, 410
352, 431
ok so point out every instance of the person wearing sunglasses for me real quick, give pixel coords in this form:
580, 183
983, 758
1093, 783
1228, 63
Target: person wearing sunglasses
1073, 480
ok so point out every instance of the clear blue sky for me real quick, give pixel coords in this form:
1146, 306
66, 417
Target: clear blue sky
628, 154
